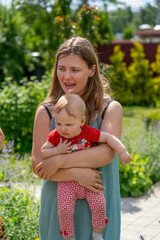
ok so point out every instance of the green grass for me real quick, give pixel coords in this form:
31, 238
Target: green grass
133, 119
136, 114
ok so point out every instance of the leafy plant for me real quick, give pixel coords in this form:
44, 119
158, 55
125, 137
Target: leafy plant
18, 106
140, 77
19, 210
134, 177
119, 78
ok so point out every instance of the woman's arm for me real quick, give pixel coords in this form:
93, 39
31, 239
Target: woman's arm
41, 131
89, 158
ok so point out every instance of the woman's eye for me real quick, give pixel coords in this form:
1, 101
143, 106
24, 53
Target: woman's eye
75, 70
61, 68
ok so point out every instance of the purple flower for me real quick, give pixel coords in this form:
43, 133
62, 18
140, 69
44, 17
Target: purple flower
141, 237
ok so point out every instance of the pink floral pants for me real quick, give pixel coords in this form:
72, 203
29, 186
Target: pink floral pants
68, 192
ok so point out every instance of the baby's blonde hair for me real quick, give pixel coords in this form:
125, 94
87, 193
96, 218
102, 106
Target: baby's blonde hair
72, 103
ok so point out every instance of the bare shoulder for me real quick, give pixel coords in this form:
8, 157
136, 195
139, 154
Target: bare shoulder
41, 129
42, 120
42, 112
115, 107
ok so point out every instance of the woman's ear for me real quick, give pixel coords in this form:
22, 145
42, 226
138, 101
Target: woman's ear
93, 69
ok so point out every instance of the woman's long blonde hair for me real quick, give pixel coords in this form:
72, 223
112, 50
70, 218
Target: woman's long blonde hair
94, 92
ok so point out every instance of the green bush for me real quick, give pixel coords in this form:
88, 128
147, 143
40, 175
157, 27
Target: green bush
134, 177
141, 77
19, 211
152, 119
119, 79
18, 105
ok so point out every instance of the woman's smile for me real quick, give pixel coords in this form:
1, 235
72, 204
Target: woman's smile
69, 86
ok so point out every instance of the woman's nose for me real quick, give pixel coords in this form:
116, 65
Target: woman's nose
67, 74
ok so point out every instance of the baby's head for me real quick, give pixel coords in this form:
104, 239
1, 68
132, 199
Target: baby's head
72, 103
69, 114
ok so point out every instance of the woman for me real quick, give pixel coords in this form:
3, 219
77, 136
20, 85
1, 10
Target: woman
76, 71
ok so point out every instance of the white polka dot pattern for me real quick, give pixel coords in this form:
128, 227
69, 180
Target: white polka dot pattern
68, 192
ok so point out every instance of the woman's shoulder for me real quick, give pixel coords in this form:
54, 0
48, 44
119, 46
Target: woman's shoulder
107, 100
111, 105
44, 112
45, 108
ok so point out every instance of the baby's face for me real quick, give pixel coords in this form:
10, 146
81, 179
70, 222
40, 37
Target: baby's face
67, 125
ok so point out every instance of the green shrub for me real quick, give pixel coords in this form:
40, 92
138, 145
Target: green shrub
134, 177
19, 211
18, 106
119, 80
152, 119
141, 77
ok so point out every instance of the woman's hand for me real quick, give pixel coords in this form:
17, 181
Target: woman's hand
89, 178
47, 168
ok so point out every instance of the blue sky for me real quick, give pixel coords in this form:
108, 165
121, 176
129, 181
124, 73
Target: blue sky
137, 4
132, 3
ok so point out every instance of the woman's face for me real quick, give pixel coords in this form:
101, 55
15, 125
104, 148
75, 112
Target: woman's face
73, 74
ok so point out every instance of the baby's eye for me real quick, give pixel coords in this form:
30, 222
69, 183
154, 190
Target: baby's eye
58, 124
68, 125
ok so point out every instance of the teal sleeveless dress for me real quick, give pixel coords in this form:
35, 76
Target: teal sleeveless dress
49, 228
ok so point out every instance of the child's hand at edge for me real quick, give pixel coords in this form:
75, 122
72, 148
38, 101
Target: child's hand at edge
1, 138
125, 158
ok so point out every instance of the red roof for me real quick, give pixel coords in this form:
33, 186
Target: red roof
123, 41
148, 33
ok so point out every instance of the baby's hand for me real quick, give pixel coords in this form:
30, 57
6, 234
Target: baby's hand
1, 138
64, 147
125, 158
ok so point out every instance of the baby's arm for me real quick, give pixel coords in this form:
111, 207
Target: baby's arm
1, 138
117, 145
48, 150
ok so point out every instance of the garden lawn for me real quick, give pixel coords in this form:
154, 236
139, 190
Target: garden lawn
134, 115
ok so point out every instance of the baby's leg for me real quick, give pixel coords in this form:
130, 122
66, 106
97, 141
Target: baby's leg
98, 207
66, 205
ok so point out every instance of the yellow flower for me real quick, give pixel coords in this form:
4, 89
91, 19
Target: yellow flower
36, 238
